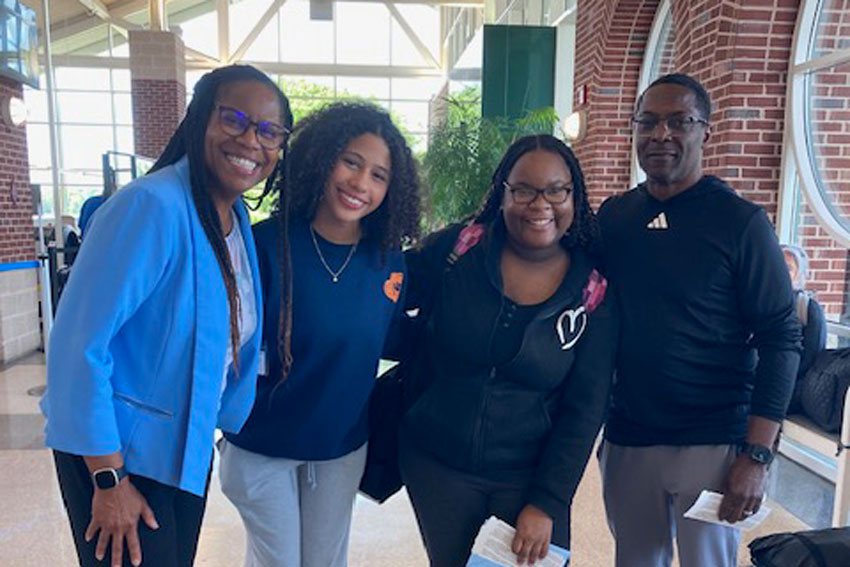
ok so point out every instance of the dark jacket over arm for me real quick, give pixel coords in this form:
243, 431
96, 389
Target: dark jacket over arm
580, 414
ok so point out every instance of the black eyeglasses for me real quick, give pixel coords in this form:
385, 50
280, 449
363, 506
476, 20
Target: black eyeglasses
235, 123
678, 123
526, 194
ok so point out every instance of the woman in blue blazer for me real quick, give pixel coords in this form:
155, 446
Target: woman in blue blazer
156, 341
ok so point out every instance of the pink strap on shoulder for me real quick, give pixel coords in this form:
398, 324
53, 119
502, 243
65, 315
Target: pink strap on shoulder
594, 291
469, 236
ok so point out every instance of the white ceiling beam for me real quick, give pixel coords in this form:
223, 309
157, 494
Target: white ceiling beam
271, 68
344, 70
223, 10
411, 34
203, 57
99, 9
255, 32
446, 3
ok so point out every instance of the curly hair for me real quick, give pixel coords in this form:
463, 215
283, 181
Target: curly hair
584, 231
188, 140
317, 143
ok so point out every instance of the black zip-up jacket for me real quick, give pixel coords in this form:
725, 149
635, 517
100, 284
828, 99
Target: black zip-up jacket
540, 411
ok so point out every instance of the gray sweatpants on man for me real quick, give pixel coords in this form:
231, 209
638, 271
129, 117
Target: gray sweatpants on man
296, 513
648, 489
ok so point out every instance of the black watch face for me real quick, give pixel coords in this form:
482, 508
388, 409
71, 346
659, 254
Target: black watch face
106, 479
761, 455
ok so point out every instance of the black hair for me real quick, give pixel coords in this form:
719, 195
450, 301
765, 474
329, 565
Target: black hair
683, 80
584, 231
188, 140
317, 142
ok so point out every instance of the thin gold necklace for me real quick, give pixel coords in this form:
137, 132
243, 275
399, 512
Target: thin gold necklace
334, 275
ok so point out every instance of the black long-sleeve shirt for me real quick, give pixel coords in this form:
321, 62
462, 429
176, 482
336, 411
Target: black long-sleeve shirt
709, 333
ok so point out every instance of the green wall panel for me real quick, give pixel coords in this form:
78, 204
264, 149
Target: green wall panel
518, 71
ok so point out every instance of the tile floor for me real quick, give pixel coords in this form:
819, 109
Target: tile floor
34, 531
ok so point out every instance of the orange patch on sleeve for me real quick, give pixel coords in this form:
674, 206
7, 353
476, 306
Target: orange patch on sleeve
392, 287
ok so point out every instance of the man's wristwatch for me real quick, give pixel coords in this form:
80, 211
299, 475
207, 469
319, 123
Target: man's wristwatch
758, 453
108, 477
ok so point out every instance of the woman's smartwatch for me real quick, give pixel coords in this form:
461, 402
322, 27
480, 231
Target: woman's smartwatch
758, 453
108, 477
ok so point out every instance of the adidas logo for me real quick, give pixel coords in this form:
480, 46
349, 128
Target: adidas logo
658, 223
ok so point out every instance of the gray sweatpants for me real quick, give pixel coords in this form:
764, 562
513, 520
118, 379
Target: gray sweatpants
648, 489
296, 513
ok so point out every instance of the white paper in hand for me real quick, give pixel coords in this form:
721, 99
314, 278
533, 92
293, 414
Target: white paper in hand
707, 506
492, 548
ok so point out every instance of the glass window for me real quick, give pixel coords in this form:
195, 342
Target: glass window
816, 190
121, 78
303, 40
82, 78
659, 59
265, 46
38, 145
365, 87
663, 60
47, 198
124, 137
41, 176
413, 115
36, 101
201, 33
121, 48
418, 88
244, 16
832, 27
83, 146
83, 107
75, 196
357, 21
123, 108
829, 136
425, 21
192, 77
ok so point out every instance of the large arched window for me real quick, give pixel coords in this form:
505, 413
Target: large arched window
819, 112
659, 59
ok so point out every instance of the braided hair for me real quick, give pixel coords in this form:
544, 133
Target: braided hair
317, 143
188, 140
584, 231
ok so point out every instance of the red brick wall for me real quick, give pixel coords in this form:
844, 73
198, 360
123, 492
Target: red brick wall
158, 107
16, 236
611, 37
740, 52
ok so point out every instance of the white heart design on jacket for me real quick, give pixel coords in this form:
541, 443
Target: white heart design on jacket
577, 319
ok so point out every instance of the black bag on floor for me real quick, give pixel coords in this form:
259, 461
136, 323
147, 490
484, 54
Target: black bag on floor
824, 387
818, 548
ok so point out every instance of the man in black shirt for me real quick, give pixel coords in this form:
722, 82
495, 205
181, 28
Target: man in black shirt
709, 343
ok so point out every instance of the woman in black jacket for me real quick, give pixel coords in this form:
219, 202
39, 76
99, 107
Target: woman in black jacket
512, 373
809, 313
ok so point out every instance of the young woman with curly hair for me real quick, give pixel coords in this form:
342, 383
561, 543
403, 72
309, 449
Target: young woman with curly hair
333, 274
160, 330
515, 362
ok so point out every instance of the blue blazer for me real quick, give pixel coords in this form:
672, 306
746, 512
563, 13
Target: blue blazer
136, 357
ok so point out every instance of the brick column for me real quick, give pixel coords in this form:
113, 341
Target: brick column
158, 73
611, 37
19, 327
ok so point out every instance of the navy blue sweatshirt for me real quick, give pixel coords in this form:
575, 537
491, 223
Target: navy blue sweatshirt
338, 333
708, 332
